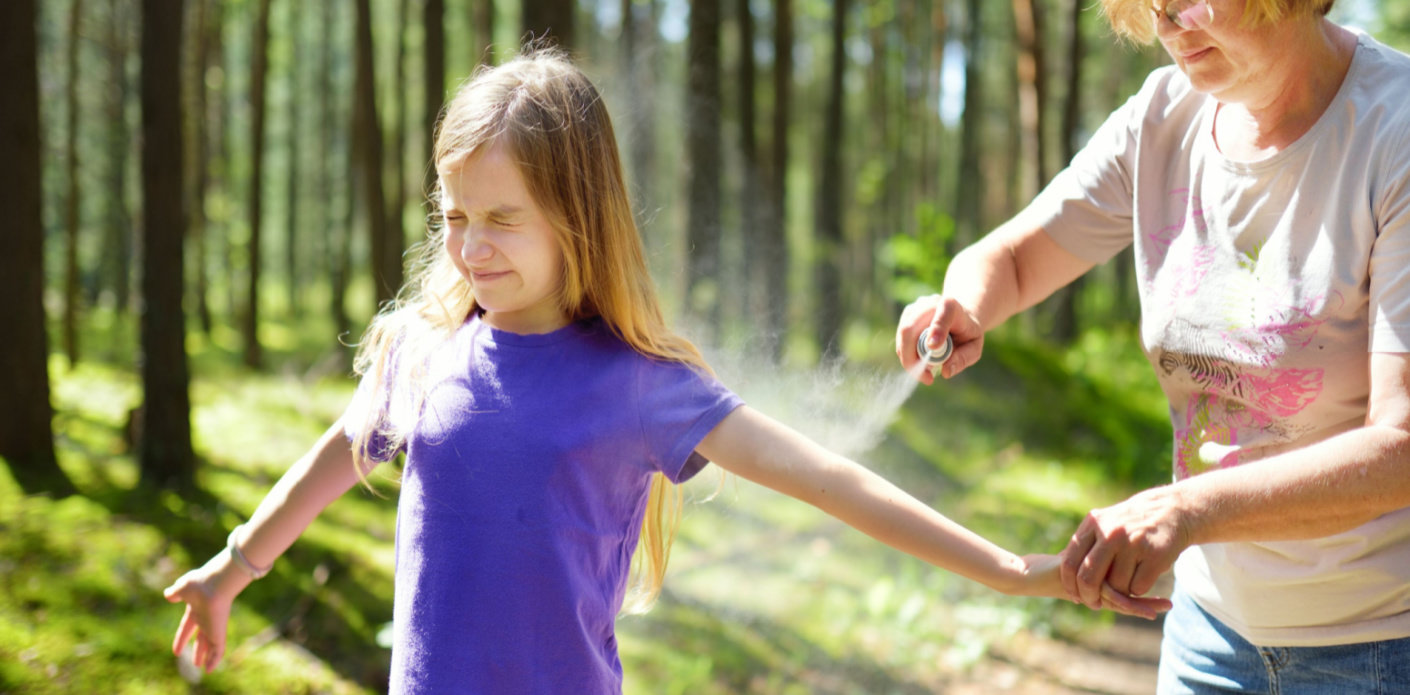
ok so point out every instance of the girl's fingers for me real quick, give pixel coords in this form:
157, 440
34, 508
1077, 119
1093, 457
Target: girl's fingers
183, 632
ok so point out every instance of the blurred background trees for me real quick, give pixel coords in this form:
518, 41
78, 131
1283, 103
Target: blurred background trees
801, 168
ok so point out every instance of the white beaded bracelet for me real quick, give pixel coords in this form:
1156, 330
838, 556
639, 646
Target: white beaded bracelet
239, 557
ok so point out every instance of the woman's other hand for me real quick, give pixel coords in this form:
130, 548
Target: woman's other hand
1126, 546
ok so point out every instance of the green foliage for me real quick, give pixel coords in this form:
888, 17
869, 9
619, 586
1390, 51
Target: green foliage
919, 262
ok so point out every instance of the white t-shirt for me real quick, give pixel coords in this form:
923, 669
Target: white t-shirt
1264, 288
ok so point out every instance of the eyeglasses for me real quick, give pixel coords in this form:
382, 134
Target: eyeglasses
1186, 14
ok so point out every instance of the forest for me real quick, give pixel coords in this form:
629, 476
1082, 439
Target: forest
207, 200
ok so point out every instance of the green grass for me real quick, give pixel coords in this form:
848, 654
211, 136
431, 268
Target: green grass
765, 594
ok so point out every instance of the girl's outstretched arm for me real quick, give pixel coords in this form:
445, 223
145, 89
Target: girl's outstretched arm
312, 483
758, 448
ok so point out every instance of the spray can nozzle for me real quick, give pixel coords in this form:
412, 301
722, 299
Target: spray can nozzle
933, 359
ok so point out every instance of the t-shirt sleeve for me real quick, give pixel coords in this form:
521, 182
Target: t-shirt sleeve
1088, 207
678, 407
1390, 255
368, 411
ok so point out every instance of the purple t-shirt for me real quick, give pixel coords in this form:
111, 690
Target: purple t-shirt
526, 477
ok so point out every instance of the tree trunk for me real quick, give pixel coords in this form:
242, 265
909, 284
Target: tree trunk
483, 23
1032, 94
830, 313
749, 213
775, 235
254, 357
549, 18
367, 166
1065, 318
434, 73
165, 450
197, 154
26, 432
71, 204
294, 233
702, 124
969, 190
336, 229
396, 203
116, 258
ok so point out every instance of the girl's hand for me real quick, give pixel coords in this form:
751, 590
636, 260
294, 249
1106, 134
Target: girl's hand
208, 593
943, 316
1040, 576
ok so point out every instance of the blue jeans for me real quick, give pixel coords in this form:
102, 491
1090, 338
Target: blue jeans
1201, 656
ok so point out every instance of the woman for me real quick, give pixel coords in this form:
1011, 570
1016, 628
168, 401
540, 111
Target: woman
1264, 182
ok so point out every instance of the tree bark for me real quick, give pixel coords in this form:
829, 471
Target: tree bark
830, 313
775, 237
116, 260
483, 23
336, 229
551, 19
434, 72
165, 454
969, 189
293, 228
1032, 93
1065, 318
71, 203
367, 158
749, 212
254, 356
396, 203
26, 432
198, 154
702, 122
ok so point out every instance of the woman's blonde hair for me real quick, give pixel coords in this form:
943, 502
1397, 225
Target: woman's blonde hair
555, 124
1134, 19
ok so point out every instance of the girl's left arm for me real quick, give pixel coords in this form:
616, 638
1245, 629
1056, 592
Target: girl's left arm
758, 448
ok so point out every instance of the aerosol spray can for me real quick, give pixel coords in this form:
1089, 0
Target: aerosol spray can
934, 360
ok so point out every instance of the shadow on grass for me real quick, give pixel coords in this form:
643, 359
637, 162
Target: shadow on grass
750, 654
316, 596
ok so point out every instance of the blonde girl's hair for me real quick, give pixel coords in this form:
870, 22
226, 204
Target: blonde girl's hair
556, 125
1134, 19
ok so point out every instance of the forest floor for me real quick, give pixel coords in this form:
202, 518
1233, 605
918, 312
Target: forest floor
765, 595
1116, 660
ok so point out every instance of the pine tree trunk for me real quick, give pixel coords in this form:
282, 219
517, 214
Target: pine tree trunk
775, 237
197, 154
367, 156
26, 430
294, 232
549, 18
116, 256
165, 453
434, 73
830, 313
702, 119
71, 203
483, 24
254, 356
969, 189
749, 214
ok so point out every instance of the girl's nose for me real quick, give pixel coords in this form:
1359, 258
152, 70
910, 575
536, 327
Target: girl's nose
475, 246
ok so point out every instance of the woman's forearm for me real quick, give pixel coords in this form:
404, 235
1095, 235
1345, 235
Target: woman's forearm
1320, 490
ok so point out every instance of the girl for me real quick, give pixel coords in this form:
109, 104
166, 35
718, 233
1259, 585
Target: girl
545, 411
